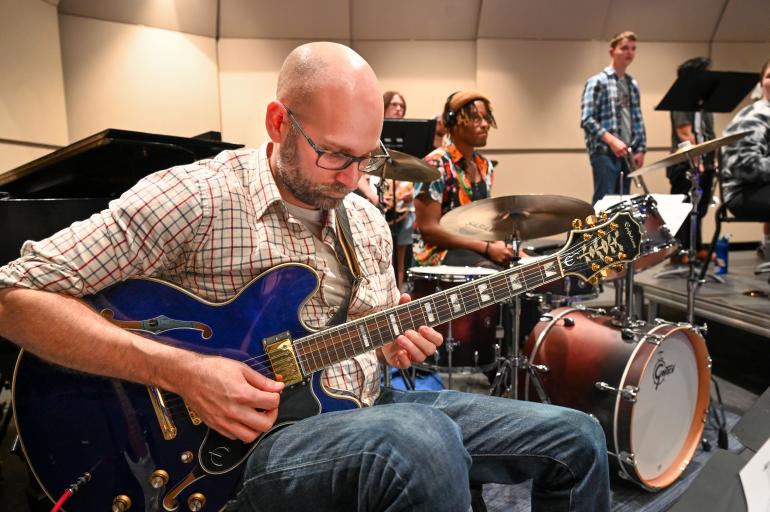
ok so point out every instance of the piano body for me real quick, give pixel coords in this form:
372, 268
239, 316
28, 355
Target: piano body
45, 195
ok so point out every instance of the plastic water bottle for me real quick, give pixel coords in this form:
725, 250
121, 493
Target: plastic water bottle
722, 251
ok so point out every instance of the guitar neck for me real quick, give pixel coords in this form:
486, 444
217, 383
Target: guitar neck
341, 342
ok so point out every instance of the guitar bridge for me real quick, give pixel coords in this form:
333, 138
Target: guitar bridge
283, 360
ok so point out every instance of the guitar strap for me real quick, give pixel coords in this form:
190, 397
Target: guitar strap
345, 247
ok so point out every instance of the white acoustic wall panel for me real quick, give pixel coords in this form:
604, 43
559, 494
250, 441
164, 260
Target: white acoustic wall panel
138, 78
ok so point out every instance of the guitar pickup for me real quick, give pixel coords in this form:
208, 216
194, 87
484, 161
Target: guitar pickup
283, 360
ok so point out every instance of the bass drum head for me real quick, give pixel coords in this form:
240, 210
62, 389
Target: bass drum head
670, 407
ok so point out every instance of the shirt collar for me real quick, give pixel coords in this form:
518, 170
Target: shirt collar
263, 187
456, 155
265, 191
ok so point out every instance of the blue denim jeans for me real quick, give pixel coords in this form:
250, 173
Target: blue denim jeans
606, 169
420, 450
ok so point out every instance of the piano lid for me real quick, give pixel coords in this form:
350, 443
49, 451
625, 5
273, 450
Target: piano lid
105, 164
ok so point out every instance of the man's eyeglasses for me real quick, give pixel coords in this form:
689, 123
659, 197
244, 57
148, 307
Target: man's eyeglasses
335, 161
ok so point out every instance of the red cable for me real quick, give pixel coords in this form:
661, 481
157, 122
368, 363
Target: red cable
64, 497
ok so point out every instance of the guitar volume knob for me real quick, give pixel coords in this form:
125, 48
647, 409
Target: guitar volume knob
196, 501
121, 503
158, 479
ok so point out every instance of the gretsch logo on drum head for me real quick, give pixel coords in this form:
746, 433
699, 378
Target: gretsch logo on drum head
661, 370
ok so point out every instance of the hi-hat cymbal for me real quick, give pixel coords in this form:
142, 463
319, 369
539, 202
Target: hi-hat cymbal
524, 217
684, 153
403, 167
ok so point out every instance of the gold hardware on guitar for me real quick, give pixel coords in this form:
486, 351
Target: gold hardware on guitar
159, 478
121, 503
283, 360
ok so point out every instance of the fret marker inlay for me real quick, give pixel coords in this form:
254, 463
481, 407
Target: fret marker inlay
549, 270
364, 337
515, 283
429, 312
394, 324
484, 297
454, 299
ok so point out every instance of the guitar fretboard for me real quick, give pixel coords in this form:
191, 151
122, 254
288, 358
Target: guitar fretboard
341, 342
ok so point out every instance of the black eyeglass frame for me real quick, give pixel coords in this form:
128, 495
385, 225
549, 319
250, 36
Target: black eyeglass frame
373, 162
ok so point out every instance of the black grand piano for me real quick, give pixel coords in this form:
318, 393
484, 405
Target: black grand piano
47, 194
50, 193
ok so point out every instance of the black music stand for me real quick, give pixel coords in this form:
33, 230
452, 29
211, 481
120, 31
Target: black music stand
708, 91
703, 91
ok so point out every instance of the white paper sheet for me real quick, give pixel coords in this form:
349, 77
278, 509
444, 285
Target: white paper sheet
755, 479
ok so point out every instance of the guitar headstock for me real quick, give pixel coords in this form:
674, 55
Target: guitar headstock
592, 252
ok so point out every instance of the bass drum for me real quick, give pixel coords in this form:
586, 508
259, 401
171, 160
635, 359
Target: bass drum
650, 393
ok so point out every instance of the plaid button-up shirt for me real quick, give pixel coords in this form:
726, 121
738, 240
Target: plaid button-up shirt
600, 112
211, 227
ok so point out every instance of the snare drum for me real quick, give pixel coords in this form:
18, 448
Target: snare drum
650, 393
473, 335
657, 242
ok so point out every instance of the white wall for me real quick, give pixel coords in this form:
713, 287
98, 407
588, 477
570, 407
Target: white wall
137, 78
32, 106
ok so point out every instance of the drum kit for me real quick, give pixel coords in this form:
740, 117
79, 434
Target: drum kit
646, 383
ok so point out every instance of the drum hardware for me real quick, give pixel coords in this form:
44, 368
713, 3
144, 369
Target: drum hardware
688, 152
628, 393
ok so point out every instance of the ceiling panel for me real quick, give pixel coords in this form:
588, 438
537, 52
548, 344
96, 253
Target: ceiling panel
745, 20
545, 19
285, 19
664, 20
189, 16
409, 19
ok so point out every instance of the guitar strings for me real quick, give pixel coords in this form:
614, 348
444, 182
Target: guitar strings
380, 324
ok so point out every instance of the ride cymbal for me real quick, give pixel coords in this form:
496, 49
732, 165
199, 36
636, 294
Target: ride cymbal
686, 152
403, 167
524, 217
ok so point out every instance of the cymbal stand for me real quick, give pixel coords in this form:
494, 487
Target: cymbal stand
449, 343
508, 368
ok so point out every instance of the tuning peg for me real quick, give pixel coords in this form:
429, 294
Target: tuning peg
622, 256
601, 233
577, 223
608, 260
595, 266
613, 226
586, 237
603, 215
591, 220
604, 272
618, 267
593, 280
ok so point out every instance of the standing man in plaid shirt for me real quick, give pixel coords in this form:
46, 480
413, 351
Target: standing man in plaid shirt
611, 118
213, 226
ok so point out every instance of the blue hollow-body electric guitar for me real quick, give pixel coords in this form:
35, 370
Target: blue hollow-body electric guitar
143, 449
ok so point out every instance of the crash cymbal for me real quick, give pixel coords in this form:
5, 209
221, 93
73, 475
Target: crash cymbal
525, 217
403, 167
684, 153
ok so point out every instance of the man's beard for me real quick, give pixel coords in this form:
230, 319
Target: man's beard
287, 170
